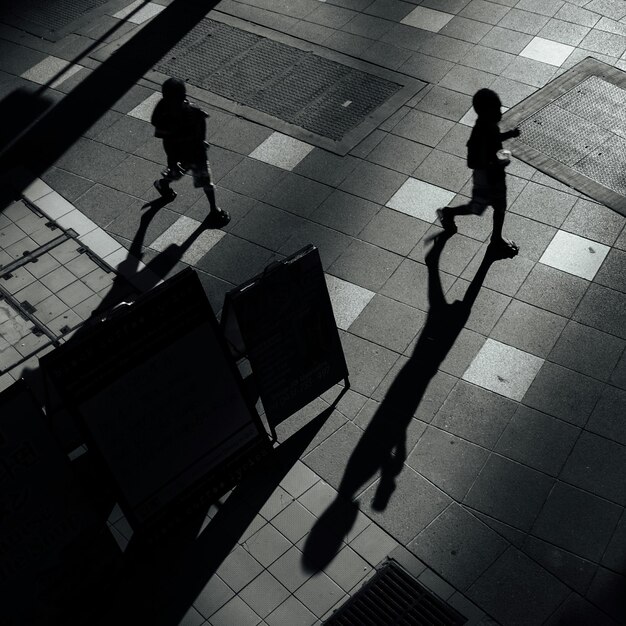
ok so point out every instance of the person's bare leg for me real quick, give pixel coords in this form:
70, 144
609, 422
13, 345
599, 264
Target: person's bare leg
497, 240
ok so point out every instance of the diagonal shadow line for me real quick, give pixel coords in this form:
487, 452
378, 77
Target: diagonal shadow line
160, 585
59, 128
382, 447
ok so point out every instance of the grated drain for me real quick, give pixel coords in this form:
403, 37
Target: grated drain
393, 597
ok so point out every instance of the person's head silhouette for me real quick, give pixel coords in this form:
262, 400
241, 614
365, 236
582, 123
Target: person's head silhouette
487, 105
173, 90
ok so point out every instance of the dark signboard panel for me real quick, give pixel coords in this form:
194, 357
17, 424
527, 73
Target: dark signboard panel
56, 555
160, 399
283, 320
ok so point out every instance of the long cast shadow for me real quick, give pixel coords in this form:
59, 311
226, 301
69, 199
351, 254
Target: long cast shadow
382, 447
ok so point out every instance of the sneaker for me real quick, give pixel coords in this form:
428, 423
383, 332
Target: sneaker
166, 191
218, 218
447, 222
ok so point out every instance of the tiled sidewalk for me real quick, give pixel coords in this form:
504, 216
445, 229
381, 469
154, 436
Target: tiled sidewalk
512, 491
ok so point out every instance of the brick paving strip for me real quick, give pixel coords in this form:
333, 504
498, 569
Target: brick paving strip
510, 502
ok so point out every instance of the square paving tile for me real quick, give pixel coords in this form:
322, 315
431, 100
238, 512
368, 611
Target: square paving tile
235, 611
214, 595
348, 300
294, 522
267, 544
537, 440
423, 127
597, 465
388, 322
290, 569
291, 611
516, 590
607, 417
594, 221
239, 569
51, 71
420, 199
529, 328
373, 182
373, 544
319, 593
458, 546
510, 492
543, 204
577, 521
264, 594
547, 51
347, 569
345, 212
475, 414
282, 151
394, 231
451, 463
563, 393
613, 271
427, 19
398, 153
575, 255
615, 554
503, 369
587, 350
604, 309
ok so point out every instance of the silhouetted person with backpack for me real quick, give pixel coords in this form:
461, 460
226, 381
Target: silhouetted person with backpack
488, 160
182, 126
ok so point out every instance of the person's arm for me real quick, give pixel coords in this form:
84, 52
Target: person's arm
509, 133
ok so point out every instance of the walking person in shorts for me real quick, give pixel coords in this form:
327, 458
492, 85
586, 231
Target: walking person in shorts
182, 126
488, 160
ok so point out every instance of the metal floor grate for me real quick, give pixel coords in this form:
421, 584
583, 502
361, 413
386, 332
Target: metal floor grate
394, 598
296, 86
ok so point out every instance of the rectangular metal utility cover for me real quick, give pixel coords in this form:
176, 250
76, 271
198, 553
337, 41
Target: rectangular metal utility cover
574, 129
303, 90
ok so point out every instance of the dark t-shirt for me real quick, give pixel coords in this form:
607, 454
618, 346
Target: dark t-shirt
483, 145
182, 127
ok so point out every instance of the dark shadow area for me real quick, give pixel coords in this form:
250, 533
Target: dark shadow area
382, 447
159, 584
57, 130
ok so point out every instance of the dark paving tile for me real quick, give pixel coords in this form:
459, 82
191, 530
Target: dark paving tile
352, 45
455, 140
365, 265
394, 231
510, 492
465, 29
424, 67
597, 465
448, 48
253, 178
517, 591
618, 377
197, 204
215, 289
131, 98
487, 59
407, 36
235, 260
414, 504
615, 554
368, 363
330, 243
513, 535
576, 611
447, 461
511, 91
577, 521
373, 182
388, 323
563, 393
570, 569
458, 546
136, 176
523, 21
505, 277
127, 134
587, 350
462, 353
103, 204
445, 103
483, 11
399, 154
529, 328
594, 221
267, 226
389, 9
613, 271
222, 161
237, 134
475, 414
368, 26
506, 40
552, 289
345, 212
69, 185
604, 309
486, 310
330, 458
423, 127
537, 440
128, 222
607, 592
467, 80
325, 167
456, 255
607, 417
563, 32
543, 204
409, 284
90, 159
443, 170
531, 236
365, 146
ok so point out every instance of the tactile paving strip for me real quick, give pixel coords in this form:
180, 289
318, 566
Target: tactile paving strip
298, 87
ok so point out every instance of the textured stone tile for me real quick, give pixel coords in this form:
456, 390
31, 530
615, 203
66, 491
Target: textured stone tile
575, 255
606, 419
420, 199
282, 151
51, 72
547, 51
427, 19
604, 309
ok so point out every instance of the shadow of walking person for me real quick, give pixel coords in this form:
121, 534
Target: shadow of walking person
382, 447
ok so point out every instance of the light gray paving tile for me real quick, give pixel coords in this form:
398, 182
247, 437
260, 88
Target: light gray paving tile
282, 151
547, 51
574, 254
427, 19
420, 199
